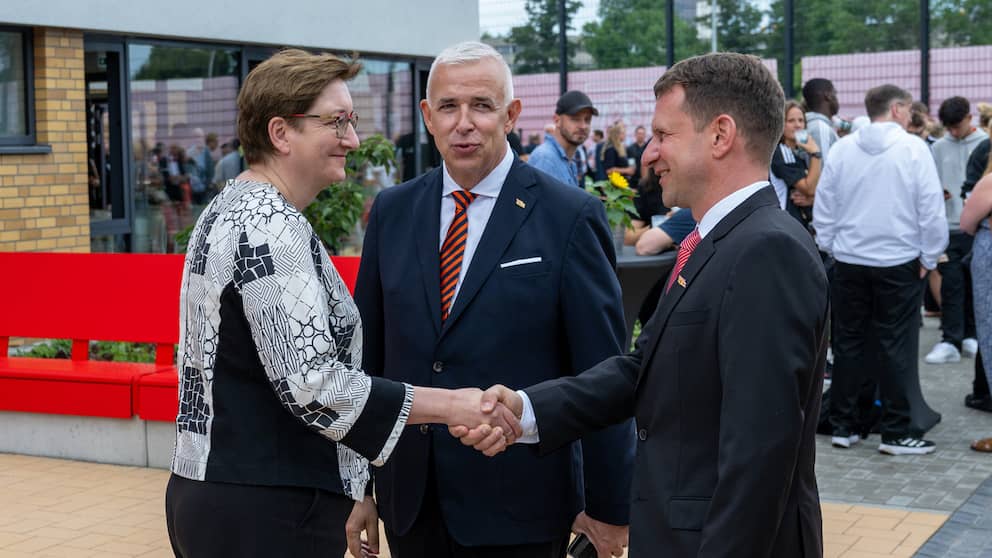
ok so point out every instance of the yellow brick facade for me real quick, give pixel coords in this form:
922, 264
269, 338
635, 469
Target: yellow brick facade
44, 206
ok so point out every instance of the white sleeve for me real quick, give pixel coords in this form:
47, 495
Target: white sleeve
528, 422
308, 342
932, 211
824, 208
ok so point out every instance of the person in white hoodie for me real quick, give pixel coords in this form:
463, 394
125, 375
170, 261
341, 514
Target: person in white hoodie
880, 213
951, 153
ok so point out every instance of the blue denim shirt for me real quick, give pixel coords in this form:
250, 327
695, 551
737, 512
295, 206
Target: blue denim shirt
551, 158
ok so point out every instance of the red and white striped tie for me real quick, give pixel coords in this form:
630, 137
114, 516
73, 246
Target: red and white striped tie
685, 250
453, 250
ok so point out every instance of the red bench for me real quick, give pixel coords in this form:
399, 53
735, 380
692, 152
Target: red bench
104, 297
157, 395
85, 297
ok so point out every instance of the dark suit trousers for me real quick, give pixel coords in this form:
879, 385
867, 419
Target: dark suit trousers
885, 300
957, 316
429, 537
207, 519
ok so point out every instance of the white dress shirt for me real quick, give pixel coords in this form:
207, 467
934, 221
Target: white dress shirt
722, 208
479, 210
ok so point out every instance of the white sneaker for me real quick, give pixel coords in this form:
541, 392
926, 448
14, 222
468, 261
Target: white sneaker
943, 353
845, 441
969, 347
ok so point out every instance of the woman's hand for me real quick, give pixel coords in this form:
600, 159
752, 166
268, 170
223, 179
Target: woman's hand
801, 200
810, 146
364, 517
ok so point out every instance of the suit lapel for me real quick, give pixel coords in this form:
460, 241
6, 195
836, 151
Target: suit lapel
700, 256
504, 222
427, 208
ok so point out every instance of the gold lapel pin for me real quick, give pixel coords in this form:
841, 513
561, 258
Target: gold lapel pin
681, 281
520, 203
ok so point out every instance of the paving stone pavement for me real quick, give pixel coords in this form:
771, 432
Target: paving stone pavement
874, 505
968, 533
941, 481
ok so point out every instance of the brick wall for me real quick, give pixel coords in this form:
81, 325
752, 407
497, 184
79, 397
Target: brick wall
43, 197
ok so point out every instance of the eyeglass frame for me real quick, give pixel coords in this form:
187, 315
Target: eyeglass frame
340, 130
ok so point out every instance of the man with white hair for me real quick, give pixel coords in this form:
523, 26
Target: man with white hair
485, 270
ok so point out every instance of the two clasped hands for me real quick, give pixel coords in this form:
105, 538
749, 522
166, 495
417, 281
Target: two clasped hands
493, 425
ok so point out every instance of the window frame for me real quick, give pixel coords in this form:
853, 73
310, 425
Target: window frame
27, 48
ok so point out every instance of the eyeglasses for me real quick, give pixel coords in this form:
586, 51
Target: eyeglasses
339, 121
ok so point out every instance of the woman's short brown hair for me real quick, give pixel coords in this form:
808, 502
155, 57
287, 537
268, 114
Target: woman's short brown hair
287, 83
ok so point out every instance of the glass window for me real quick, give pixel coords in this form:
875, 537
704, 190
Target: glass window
183, 119
382, 94
16, 118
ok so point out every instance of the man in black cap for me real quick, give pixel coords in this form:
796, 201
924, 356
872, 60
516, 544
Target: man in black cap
557, 155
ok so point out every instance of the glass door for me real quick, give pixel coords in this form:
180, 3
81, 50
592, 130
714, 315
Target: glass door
106, 146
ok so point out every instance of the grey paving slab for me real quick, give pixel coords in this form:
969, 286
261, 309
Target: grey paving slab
942, 481
968, 532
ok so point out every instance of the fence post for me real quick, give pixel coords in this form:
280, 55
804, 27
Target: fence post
790, 55
670, 33
562, 49
925, 52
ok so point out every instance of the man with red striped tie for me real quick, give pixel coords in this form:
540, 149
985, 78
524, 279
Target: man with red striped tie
726, 378
486, 270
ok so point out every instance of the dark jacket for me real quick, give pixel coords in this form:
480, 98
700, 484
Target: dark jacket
725, 385
516, 325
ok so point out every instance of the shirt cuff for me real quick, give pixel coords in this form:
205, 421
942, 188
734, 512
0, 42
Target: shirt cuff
528, 422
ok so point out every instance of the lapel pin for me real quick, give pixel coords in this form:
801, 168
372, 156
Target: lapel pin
520, 203
681, 281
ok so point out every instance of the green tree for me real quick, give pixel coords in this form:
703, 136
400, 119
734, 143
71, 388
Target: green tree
961, 23
738, 27
535, 43
631, 33
180, 62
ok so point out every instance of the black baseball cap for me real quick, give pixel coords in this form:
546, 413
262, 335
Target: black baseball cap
572, 102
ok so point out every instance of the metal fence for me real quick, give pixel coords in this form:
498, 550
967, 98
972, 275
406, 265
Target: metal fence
614, 50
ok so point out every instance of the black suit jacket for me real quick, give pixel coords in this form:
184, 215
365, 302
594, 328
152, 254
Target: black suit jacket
516, 325
725, 385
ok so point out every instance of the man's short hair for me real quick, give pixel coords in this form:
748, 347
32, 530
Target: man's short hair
879, 99
598, 133
815, 91
287, 83
735, 84
470, 52
953, 110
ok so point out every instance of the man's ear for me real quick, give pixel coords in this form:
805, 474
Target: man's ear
723, 134
425, 110
512, 113
278, 134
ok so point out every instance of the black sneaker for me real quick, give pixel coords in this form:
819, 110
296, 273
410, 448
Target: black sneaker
907, 446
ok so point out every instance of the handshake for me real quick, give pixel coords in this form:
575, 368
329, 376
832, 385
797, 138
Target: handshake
488, 421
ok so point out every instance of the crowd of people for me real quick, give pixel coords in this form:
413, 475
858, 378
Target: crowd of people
306, 415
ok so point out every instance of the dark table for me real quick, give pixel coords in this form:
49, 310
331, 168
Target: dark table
637, 274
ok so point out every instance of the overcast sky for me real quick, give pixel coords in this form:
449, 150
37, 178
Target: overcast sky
498, 16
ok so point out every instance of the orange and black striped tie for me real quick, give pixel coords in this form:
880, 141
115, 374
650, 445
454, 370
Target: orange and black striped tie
453, 250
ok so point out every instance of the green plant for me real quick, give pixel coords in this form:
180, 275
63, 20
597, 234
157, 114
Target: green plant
56, 348
617, 196
182, 239
116, 351
337, 208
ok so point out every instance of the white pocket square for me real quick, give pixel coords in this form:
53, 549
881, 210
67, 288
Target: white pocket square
522, 261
